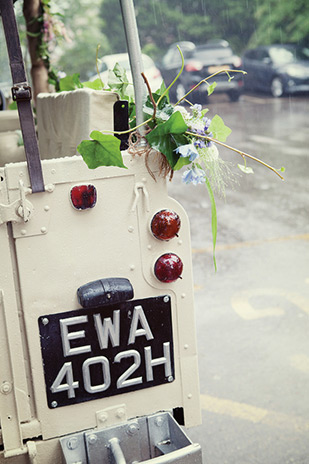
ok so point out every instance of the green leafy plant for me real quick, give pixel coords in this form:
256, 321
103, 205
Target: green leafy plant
186, 138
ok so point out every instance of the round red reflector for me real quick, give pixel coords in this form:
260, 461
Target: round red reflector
168, 268
165, 224
83, 196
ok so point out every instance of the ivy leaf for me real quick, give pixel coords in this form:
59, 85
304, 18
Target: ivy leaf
164, 109
166, 137
219, 129
95, 85
182, 161
211, 88
245, 169
103, 150
70, 83
118, 80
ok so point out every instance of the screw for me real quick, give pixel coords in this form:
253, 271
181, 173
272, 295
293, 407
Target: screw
159, 421
54, 404
45, 320
72, 443
170, 378
92, 439
166, 299
132, 429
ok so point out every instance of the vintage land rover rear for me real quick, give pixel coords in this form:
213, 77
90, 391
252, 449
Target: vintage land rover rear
97, 346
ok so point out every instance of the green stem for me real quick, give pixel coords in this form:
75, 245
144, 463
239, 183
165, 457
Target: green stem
178, 75
241, 153
207, 78
96, 63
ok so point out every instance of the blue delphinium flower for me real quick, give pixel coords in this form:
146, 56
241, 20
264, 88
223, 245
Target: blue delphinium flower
187, 150
193, 175
207, 122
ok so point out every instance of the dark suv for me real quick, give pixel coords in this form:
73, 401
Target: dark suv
200, 62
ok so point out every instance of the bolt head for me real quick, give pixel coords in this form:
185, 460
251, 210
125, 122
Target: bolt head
92, 439
133, 429
72, 443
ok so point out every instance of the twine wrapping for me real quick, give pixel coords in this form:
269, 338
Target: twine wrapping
138, 145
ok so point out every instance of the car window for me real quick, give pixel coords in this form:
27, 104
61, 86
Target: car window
213, 53
285, 55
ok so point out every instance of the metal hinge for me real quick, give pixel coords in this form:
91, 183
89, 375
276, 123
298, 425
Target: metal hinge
18, 211
139, 440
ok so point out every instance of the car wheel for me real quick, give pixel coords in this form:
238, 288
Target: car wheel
276, 87
234, 95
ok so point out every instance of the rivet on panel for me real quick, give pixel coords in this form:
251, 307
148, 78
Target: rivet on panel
23, 232
103, 417
132, 267
131, 229
120, 413
179, 242
46, 208
186, 346
43, 230
189, 396
149, 247
6, 388
183, 295
53, 171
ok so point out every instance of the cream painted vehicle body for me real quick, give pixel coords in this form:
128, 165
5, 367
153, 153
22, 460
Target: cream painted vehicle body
53, 404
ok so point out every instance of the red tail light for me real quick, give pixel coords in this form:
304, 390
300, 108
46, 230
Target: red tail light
83, 196
168, 268
165, 224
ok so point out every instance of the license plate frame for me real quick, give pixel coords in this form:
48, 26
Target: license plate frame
106, 351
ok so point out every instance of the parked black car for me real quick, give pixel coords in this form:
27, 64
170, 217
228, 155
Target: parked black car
200, 62
278, 69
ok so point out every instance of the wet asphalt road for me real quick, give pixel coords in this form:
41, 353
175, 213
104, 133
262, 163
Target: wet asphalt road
253, 314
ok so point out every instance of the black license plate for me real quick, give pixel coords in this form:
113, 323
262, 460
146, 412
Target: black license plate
105, 351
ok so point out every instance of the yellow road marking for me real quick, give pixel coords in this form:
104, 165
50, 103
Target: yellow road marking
300, 362
253, 414
241, 304
231, 246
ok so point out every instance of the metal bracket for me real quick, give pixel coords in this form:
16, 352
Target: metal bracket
20, 210
140, 186
21, 92
138, 440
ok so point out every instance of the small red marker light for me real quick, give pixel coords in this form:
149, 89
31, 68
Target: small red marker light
168, 267
165, 224
83, 196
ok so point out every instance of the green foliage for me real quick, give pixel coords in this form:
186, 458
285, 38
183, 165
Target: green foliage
167, 136
103, 150
281, 22
219, 129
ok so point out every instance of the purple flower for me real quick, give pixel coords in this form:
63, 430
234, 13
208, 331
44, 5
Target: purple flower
207, 122
187, 150
193, 175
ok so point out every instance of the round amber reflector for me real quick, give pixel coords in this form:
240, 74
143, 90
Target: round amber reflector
168, 268
83, 196
165, 224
